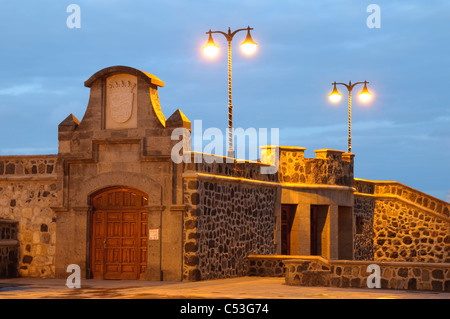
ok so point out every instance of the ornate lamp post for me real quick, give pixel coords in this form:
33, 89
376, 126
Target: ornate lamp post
364, 96
211, 50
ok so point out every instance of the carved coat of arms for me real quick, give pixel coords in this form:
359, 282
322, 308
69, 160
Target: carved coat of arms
121, 97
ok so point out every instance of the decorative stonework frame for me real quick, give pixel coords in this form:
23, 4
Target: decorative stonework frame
121, 102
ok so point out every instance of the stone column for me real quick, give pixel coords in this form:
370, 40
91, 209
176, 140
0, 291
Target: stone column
153, 271
304, 229
333, 243
171, 243
71, 240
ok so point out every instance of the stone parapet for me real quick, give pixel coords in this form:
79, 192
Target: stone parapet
28, 166
330, 167
405, 193
226, 166
274, 265
395, 222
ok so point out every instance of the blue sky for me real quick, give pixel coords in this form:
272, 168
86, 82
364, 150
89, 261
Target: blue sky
303, 46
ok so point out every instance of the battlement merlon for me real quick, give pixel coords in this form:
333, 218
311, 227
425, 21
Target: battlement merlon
329, 167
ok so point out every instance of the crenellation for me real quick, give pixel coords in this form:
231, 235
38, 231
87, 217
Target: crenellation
15, 166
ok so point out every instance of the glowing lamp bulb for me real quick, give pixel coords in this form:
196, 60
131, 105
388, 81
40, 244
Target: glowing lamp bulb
210, 49
365, 95
335, 96
248, 46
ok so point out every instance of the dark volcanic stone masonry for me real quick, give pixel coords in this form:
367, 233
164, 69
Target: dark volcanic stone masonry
230, 222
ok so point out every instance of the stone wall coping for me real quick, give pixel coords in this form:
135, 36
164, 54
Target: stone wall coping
28, 157
225, 159
232, 179
328, 150
318, 186
288, 257
347, 156
389, 263
150, 78
400, 184
229, 179
29, 178
281, 147
390, 196
325, 152
301, 259
9, 242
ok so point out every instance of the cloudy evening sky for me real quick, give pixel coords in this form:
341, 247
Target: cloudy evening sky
303, 46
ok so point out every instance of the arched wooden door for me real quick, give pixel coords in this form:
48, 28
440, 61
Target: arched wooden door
119, 234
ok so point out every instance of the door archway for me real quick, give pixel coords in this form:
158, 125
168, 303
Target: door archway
119, 233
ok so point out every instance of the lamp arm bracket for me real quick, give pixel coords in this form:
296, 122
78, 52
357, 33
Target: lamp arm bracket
229, 36
350, 86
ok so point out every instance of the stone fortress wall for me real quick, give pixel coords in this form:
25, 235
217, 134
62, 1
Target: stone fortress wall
27, 192
233, 210
229, 214
234, 205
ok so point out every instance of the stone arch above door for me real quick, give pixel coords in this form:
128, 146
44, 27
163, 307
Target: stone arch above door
81, 193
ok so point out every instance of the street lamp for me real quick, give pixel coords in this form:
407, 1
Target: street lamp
211, 50
364, 96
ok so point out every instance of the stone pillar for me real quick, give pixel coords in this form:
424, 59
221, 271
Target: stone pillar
304, 229
71, 240
153, 271
171, 243
288, 159
333, 243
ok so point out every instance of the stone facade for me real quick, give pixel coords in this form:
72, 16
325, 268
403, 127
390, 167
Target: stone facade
363, 211
267, 266
124, 141
406, 233
323, 183
227, 217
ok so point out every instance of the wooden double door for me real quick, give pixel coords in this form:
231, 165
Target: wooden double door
119, 234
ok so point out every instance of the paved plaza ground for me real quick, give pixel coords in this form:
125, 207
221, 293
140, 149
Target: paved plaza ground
244, 297
234, 288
